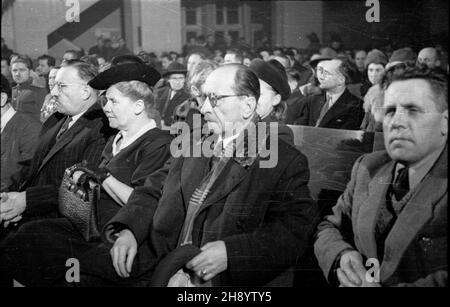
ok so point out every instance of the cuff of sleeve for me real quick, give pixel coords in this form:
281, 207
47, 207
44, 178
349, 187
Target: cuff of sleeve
41, 200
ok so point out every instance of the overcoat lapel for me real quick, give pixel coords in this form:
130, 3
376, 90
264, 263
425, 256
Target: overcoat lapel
336, 109
416, 213
368, 212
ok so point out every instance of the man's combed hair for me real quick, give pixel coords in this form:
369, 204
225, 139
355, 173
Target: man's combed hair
50, 60
438, 81
86, 71
246, 82
23, 59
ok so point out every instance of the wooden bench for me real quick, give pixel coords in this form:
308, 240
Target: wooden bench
331, 154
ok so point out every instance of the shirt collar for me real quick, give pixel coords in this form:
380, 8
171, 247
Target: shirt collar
418, 171
75, 118
6, 117
126, 141
334, 97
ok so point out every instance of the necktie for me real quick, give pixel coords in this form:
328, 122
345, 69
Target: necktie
401, 184
64, 128
324, 110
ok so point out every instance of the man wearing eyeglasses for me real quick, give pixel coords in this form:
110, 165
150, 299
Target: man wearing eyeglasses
77, 132
336, 108
224, 219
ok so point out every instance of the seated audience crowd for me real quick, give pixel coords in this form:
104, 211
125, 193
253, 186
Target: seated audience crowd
182, 170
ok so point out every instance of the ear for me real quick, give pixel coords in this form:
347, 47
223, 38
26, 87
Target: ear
438, 63
276, 100
86, 92
139, 107
249, 107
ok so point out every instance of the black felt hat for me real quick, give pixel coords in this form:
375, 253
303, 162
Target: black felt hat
273, 76
125, 72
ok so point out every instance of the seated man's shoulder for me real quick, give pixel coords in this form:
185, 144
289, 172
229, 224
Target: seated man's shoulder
374, 160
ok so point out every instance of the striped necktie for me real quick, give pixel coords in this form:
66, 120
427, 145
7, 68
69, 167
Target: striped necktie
64, 128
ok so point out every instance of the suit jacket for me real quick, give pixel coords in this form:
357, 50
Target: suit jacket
19, 140
264, 215
346, 112
85, 140
162, 99
415, 250
27, 98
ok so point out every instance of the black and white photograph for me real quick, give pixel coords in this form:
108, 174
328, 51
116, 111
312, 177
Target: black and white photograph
230, 146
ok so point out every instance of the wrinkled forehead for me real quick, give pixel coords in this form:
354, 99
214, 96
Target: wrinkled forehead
410, 92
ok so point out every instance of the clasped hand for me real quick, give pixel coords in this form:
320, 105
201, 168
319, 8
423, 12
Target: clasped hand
12, 206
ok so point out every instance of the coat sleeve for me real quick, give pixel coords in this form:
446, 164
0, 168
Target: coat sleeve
137, 214
259, 255
303, 117
330, 237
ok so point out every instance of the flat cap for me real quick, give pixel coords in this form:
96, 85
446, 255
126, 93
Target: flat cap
175, 68
125, 72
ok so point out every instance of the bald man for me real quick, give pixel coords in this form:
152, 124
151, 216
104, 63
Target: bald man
429, 57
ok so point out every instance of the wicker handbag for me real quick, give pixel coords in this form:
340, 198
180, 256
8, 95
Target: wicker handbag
78, 202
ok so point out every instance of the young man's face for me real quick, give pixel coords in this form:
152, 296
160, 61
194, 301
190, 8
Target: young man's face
43, 67
20, 72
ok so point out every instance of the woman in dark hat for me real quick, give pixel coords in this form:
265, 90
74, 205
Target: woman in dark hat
138, 149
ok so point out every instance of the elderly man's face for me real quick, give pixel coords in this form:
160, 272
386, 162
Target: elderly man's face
328, 74
68, 91
428, 57
413, 126
228, 111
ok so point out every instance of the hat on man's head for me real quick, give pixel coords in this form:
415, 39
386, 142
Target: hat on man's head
273, 74
6, 87
402, 55
125, 72
326, 54
175, 68
377, 57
